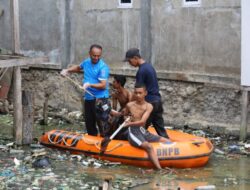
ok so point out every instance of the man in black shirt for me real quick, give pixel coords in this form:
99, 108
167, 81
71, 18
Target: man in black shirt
146, 74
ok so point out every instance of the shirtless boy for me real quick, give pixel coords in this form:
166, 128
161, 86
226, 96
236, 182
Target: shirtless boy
121, 95
139, 111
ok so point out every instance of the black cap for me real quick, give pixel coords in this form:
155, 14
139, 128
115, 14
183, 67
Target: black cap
132, 53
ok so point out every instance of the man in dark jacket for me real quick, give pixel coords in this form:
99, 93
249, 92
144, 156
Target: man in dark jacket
146, 74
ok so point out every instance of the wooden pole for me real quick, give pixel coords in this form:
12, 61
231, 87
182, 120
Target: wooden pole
15, 25
27, 102
18, 116
244, 113
18, 112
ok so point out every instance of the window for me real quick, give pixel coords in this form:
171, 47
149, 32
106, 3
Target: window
125, 3
191, 3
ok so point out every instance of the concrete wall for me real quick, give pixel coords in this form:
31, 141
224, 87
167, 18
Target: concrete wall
187, 40
103, 23
203, 39
196, 50
5, 27
41, 27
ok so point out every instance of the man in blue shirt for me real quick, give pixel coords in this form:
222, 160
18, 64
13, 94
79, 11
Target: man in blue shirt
146, 75
95, 85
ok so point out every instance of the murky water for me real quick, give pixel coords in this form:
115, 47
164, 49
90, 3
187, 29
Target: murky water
231, 173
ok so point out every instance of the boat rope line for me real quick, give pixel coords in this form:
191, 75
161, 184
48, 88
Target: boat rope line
52, 137
98, 146
64, 137
74, 140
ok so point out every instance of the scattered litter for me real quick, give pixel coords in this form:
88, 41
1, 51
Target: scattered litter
3, 147
207, 187
199, 133
7, 173
10, 144
17, 162
76, 157
218, 151
41, 162
36, 146
15, 151
247, 145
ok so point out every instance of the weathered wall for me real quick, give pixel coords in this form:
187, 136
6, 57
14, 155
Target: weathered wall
115, 29
5, 27
41, 28
177, 39
196, 50
185, 103
203, 39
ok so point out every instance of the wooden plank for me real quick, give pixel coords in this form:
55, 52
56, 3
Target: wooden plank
15, 25
28, 117
23, 62
18, 112
244, 113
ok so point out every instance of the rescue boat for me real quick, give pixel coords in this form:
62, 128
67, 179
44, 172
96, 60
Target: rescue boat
185, 150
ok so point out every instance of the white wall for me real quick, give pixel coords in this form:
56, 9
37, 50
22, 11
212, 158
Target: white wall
245, 43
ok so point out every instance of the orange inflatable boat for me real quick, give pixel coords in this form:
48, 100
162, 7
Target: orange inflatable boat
185, 150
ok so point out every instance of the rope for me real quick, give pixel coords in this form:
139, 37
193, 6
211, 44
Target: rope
52, 142
88, 142
72, 144
109, 150
77, 84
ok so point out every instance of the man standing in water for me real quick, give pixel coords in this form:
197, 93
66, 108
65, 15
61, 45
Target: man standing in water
95, 84
139, 111
146, 74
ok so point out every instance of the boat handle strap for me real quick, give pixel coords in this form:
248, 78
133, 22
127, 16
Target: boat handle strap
197, 143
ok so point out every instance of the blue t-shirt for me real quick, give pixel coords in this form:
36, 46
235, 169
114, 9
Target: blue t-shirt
146, 74
93, 74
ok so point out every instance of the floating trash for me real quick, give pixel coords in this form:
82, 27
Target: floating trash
15, 151
7, 173
17, 162
76, 157
247, 146
36, 146
3, 147
199, 133
207, 187
41, 162
218, 151
10, 144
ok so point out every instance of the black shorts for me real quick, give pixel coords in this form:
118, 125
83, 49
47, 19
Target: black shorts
138, 135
